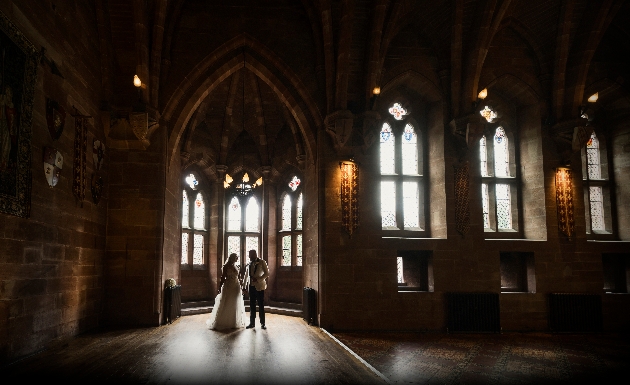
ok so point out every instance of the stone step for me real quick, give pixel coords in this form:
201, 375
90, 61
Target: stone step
268, 309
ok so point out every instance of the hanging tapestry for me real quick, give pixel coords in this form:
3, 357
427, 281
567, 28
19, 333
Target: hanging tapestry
18, 66
80, 148
55, 117
564, 201
462, 199
349, 196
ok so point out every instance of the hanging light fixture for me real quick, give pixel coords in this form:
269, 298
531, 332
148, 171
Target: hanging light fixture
244, 188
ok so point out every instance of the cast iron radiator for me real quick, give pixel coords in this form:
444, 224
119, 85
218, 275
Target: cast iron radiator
172, 303
309, 306
571, 312
473, 312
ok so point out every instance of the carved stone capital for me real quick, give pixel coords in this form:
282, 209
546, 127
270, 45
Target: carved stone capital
570, 136
369, 122
339, 126
467, 130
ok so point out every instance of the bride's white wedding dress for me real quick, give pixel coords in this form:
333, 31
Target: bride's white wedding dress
229, 310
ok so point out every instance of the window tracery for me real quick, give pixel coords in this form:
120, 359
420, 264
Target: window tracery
193, 217
290, 229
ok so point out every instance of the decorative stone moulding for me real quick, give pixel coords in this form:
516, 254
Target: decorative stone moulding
570, 136
564, 201
349, 196
339, 126
129, 129
467, 131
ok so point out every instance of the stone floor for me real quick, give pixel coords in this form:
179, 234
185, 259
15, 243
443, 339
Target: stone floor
423, 358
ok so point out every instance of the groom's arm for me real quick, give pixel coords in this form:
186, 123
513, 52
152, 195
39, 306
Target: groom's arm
265, 270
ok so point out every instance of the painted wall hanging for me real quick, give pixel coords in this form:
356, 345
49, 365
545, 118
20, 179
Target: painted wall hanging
564, 201
349, 196
55, 117
18, 66
53, 163
462, 198
99, 154
79, 165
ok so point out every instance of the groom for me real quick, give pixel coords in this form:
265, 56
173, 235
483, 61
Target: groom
255, 276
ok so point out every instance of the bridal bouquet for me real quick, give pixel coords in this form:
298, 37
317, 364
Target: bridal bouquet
170, 283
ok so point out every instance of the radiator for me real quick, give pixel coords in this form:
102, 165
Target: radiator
572, 312
309, 306
172, 303
473, 312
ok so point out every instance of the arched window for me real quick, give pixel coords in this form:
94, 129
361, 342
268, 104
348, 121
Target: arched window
499, 184
290, 232
243, 225
194, 233
402, 174
596, 187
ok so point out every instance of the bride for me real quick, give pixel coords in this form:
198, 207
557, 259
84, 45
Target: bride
229, 309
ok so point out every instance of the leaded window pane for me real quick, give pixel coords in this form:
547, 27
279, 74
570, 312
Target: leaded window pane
234, 245
388, 204
387, 148
483, 156
200, 212
252, 215
286, 213
504, 213
286, 250
234, 215
185, 210
251, 243
410, 204
592, 158
184, 248
597, 208
399, 269
397, 111
298, 214
298, 244
485, 199
198, 250
501, 153
409, 151
295, 183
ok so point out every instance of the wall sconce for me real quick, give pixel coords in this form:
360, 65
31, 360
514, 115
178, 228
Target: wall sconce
376, 91
483, 94
564, 201
136, 81
349, 195
593, 98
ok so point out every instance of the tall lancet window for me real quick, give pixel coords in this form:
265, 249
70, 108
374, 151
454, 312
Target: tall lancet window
194, 230
596, 187
499, 183
290, 229
402, 174
243, 226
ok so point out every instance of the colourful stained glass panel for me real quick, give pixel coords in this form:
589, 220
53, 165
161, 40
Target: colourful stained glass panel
410, 151
504, 211
286, 250
387, 148
198, 250
410, 205
252, 215
200, 212
485, 202
234, 215
295, 183
397, 111
298, 241
192, 181
298, 213
483, 156
597, 208
286, 213
185, 210
388, 204
184, 248
501, 154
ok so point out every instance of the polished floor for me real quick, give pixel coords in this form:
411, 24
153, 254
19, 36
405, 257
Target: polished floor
511, 358
185, 352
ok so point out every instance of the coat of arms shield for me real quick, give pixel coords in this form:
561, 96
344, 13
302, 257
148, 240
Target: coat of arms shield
53, 162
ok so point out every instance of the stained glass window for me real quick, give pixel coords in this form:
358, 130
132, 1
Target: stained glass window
397, 111
184, 248
399, 269
388, 204
298, 214
592, 158
185, 210
234, 245
488, 114
597, 208
295, 182
252, 215
286, 250
409, 151
501, 153
192, 181
251, 243
234, 215
483, 156
298, 244
387, 147
286, 212
200, 212
198, 250
485, 200
504, 215
410, 204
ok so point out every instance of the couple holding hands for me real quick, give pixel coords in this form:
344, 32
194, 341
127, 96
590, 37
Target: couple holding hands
229, 309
